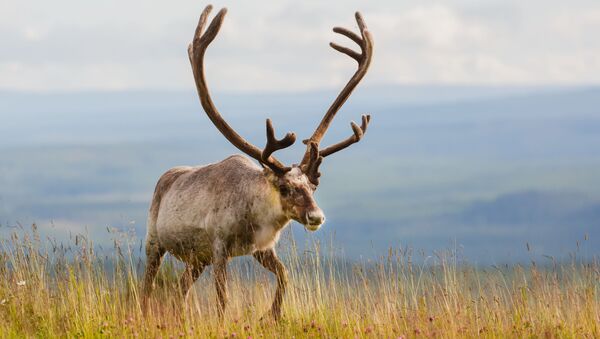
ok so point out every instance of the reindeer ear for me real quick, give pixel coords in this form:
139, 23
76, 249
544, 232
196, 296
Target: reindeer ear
312, 167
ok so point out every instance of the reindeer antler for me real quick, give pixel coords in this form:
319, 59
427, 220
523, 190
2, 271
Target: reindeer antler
273, 145
365, 42
196, 51
359, 132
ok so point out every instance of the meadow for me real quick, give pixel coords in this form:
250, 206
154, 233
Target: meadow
75, 289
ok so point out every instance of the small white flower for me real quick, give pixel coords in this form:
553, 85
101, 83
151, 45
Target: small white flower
3, 301
21, 283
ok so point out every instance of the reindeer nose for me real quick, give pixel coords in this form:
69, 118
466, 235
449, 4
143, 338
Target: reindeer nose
315, 217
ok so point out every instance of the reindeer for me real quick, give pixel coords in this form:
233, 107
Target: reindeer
208, 214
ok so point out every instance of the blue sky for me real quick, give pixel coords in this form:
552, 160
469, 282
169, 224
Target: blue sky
65, 45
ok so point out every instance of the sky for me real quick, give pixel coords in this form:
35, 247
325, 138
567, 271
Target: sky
69, 45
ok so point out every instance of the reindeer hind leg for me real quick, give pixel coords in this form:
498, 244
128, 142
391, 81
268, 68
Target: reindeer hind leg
220, 259
154, 255
189, 277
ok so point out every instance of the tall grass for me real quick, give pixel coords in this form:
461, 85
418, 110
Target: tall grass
69, 290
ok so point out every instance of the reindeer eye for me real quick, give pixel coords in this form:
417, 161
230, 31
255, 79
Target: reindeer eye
284, 190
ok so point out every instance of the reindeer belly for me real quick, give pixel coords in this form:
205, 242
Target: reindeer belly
188, 243
186, 228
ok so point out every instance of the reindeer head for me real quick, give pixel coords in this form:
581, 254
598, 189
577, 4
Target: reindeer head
296, 196
295, 184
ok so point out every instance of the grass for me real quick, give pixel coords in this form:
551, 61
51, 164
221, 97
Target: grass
68, 290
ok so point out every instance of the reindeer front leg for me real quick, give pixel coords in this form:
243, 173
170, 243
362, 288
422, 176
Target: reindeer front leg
220, 259
271, 262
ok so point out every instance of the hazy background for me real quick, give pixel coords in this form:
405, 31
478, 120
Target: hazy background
485, 133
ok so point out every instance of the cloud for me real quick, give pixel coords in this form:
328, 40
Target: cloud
68, 45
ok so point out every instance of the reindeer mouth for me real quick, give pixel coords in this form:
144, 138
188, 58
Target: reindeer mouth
312, 222
311, 227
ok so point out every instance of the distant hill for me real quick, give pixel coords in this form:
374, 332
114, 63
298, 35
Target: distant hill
488, 168
531, 207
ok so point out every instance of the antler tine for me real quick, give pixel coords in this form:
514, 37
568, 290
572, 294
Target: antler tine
201, 41
361, 23
365, 42
202, 23
358, 134
347, 51
196, 51
349, 34
274, 145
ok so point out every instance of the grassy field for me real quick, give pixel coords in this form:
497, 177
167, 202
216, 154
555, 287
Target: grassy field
67, 290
